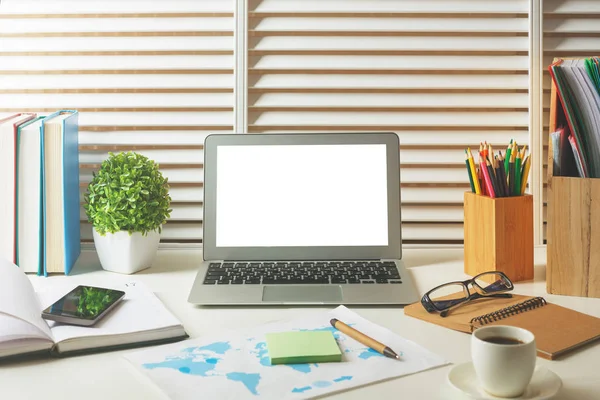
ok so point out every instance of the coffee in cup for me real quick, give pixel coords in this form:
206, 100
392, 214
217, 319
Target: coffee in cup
502, 340
504, 359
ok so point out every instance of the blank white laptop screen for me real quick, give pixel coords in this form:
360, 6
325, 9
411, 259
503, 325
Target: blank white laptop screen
302, 195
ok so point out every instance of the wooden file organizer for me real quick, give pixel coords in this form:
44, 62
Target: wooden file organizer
573, 230
499, 235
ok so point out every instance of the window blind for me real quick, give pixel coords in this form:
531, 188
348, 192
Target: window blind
571, 29
150, 76
444, 75
157, 77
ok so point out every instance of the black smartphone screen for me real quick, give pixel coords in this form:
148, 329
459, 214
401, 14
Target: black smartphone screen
85, 302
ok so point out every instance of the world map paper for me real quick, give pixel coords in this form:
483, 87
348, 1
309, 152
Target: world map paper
236, 365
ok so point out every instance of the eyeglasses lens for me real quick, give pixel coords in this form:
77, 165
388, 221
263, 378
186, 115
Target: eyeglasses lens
448, 295
493, 282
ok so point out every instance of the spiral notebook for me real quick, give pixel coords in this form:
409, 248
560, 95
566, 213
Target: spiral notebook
548, 322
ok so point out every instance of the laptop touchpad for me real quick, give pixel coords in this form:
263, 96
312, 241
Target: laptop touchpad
302, 294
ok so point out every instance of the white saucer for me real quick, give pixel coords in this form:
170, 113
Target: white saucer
544, 384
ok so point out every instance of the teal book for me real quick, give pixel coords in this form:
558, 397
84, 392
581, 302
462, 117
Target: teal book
60, 183
29, 238
302, 347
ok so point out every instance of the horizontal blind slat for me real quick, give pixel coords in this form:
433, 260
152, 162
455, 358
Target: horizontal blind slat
378, 33
378, 90
117, 91
388, 14
405, 71
18, 16
391, 52
114, 34
105, 53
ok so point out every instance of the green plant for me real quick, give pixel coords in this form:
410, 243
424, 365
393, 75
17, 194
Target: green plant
128, 193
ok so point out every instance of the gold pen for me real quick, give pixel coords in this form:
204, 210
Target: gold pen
364, 339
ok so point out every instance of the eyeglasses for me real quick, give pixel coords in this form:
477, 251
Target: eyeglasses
452, 294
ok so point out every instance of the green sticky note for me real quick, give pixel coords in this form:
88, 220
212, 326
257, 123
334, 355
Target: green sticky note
302, 347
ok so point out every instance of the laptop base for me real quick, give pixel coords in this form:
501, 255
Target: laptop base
304, 294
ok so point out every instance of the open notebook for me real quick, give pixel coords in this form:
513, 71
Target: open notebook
557, 329
140, 319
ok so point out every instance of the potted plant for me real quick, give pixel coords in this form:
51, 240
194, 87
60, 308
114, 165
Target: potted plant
127, 202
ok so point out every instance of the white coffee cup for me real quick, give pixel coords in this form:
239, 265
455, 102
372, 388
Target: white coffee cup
503, 370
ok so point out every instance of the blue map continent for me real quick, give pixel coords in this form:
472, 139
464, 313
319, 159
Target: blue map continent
249, 380
365, 355
189, 364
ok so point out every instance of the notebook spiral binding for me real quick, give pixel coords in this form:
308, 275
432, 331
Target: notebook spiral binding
508, 311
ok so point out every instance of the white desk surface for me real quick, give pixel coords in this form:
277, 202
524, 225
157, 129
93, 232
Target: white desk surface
109, 376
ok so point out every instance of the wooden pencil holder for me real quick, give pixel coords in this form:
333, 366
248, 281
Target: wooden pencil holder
499, 235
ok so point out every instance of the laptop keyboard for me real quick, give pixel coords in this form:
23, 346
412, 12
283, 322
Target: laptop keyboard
277, 273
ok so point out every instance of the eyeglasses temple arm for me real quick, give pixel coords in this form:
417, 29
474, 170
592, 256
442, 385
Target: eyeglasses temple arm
444, 313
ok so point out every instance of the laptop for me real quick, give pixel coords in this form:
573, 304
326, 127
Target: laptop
302, 219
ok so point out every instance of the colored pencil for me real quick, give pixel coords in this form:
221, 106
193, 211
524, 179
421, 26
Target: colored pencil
511, 175
470, 175
523, 152
517, 187
507, 158
481, 181
492, 175
503, 175
525, 174
523, 165
487, 179
473, 171
497, 169
480, 172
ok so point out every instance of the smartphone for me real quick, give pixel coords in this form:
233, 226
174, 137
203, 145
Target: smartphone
84, 305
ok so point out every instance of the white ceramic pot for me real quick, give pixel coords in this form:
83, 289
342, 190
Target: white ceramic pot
124, 253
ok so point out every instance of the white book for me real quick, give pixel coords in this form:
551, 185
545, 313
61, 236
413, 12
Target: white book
140, 319
8, 145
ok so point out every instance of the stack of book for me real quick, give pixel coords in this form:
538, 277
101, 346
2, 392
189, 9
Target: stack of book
39, 191
578, 87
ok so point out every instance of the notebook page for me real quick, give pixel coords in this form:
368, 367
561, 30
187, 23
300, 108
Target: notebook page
139, 311
12, 328
18, 299
20, 337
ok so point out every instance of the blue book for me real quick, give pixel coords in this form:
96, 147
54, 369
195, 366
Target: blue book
60, 177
